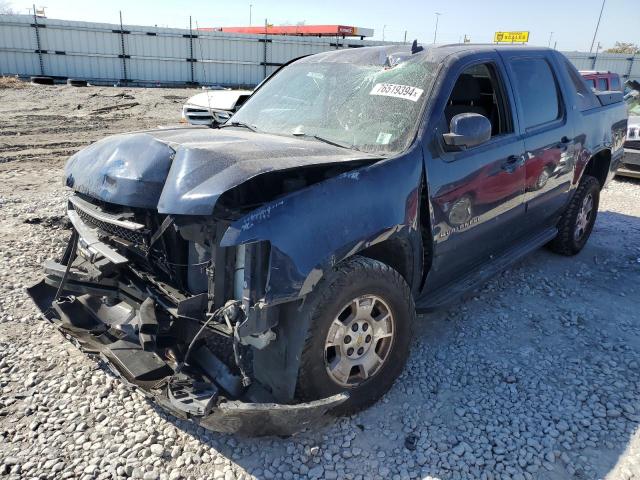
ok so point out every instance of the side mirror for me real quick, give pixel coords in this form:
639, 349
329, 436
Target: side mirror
468, 130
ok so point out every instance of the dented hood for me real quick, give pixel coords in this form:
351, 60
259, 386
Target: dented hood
185, 170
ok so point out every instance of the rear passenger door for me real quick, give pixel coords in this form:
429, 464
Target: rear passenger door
548, 136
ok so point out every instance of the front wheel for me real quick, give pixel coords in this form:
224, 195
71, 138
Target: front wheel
576, 223
359, 336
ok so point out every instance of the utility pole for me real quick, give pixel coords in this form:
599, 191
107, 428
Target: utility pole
124, 53
435, 33
595, 57
405, 36
550, 36
38, 44
250, 7
383, 27
266, 27
191, 57
597, 26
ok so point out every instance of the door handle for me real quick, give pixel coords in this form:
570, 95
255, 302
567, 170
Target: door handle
513, 163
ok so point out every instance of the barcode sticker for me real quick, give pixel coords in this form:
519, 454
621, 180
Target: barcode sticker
383, 138
399, 91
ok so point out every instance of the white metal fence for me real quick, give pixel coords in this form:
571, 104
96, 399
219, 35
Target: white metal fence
104, 52
107, 52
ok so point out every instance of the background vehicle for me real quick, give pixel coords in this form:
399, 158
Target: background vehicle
213, 107
257, 276
631, 162
602, 81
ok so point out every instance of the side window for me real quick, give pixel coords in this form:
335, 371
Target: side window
591, 82
478, 89
615, 83
602, 84
537, 91
586, 98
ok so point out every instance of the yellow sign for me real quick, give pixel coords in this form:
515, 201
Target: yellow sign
511, 37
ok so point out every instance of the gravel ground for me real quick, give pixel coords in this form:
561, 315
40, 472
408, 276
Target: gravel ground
535, 377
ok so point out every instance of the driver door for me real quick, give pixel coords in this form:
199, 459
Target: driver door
477, 193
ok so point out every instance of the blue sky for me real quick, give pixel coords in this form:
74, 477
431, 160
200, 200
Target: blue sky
571, 21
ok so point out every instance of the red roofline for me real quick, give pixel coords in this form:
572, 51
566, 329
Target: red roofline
304, 30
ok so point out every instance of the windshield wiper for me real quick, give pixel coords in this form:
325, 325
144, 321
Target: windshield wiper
326, 140
239, 124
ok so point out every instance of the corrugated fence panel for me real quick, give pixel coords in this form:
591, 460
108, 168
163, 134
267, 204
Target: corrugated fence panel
18, 49
145, 54
625, 65
17, 36
12, 63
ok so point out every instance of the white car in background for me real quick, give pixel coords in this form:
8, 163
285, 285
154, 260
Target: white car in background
631, 161
213, 107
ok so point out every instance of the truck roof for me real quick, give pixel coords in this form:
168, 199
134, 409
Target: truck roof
379, 55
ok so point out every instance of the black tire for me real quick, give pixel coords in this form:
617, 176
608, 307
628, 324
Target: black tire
356, 277
566, 242
74, 82
42, 80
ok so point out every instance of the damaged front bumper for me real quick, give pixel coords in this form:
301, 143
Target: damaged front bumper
106, 319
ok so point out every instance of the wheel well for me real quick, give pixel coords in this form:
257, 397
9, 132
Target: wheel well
395, 252
598, 166
410, 257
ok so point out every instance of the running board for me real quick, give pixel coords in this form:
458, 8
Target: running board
452, 291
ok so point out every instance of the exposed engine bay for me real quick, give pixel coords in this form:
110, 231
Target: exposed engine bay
172, 313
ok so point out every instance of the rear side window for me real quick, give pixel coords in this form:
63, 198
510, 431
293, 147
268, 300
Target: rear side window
602, 84
586, 98
615, 83
537, 90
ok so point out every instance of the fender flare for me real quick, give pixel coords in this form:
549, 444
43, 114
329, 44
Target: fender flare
313, 229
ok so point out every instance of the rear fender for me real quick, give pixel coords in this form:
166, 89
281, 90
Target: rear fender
312, 230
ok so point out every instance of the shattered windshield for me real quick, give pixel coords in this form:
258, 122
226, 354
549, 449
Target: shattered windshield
373, 108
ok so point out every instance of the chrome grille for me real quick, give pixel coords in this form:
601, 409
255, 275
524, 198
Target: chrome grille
119, 225
202, 116
133, 236
198, 116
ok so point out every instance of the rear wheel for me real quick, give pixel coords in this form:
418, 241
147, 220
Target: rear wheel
359, 336
578, 219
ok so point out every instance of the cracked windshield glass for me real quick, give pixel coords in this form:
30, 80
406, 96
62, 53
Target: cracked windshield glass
372, 108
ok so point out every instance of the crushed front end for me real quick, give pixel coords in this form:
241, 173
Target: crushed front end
179, 316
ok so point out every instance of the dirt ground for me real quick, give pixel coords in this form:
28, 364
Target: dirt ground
537, 375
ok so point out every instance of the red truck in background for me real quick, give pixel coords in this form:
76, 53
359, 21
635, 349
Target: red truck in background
602, 81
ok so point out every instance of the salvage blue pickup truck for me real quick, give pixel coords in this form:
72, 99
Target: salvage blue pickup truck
264, 275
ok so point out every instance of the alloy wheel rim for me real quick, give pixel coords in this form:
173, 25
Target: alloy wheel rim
359, 340
584, 217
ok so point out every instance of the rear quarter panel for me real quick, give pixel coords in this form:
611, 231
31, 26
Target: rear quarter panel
596, 130
601, 129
